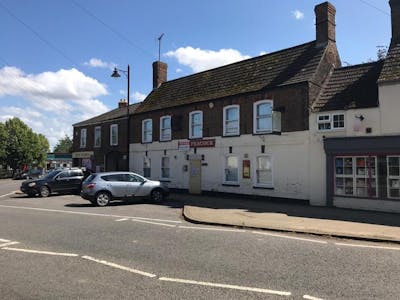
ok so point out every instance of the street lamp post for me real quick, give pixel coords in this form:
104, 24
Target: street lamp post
115, 74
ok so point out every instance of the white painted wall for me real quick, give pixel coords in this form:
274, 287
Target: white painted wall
289, 153
389, 103
383, 120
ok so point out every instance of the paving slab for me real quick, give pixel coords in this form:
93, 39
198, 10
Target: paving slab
292, 217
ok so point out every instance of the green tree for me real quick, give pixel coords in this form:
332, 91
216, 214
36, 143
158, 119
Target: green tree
3, 147
23, 146
64, 145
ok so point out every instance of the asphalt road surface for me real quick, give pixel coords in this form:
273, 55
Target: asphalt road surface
62, 247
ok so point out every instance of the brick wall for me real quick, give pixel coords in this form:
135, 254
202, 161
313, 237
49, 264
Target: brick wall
292, 101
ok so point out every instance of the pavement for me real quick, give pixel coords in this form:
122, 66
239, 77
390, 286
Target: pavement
291, 217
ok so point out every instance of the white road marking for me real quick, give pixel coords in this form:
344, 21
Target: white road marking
121, 220
87, 214
41, 252
149, 222
290, 237
227, 286
368, 246
211, 228
311, 297
5, 195
4, 241
110, 264
8, 244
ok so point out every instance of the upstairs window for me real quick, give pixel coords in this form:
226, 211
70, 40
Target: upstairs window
324, 122
165, 128
147, 131
196, 125
338, 121
83, 138
97, 136
231, 120
114, 134
263, 117
330, 121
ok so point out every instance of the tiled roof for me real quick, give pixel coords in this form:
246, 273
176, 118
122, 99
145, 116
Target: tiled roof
391, 67
350, 87
110, 115
293, 65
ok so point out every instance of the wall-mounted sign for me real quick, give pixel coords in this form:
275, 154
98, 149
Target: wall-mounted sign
246, 168
183, 145
83, 154
202, 143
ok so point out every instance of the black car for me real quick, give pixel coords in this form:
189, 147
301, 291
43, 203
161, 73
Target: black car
58, 181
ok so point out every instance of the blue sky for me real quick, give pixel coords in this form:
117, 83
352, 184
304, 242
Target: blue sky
56, 57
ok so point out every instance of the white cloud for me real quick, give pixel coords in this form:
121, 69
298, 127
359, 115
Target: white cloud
199, 60
298, 15
98, 63
52, 101
179, 70
138, 97
263, 52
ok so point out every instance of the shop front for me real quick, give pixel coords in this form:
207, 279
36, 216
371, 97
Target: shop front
83, 159
363, 172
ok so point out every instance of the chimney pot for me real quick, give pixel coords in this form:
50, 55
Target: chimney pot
325, 14
159, 73
122, 103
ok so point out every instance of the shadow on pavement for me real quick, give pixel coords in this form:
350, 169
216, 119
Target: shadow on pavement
290, 209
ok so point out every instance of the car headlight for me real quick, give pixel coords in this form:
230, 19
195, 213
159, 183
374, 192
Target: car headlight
32, 184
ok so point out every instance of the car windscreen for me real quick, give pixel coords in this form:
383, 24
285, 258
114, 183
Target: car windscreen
52, 174
90, 178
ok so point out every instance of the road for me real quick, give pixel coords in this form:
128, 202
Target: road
62, 247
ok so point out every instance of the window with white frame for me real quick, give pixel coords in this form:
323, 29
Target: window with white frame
231, 120
83, 137
165, 128
262, 117
393, 178
330, 121
264, 171
114, 134
97, 136
338, 121
165, 167
147, 131
356, 176
196, 124
146, 167
231, 169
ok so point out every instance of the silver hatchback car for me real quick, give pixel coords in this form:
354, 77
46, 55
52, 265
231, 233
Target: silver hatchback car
101, 188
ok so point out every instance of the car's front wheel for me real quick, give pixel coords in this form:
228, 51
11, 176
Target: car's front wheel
157, 196
103, 198
44, 191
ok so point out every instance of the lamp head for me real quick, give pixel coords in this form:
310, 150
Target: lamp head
115, 73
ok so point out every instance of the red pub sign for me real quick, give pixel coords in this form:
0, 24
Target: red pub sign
202, 143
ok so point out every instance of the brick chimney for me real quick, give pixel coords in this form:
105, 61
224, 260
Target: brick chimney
325, 23
395, 13
122, 103
159, 73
